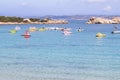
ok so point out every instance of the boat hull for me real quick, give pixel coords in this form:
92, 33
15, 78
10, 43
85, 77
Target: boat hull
115, 32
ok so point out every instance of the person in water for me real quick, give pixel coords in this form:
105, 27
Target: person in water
116, 28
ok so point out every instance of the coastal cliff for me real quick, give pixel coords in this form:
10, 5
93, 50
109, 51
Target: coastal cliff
99, 20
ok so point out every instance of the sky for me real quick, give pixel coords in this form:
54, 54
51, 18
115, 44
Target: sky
59, 7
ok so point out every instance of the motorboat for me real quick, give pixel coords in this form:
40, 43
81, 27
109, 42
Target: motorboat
80, 30
116, 32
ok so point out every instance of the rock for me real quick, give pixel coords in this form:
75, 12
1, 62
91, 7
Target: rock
99, 20
57, 22
116, 20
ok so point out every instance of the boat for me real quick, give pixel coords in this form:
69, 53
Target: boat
17, 28
80, 30
42, 29
26, 34
32, 29
67, 32
115, 32
100, 35
13, 31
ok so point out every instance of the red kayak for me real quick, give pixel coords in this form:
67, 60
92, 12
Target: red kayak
26, 34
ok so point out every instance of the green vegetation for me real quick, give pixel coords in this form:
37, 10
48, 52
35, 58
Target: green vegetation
10, 19
19, 19
34, 19
45, 20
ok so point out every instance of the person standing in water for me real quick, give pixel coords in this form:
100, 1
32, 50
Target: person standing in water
116, 28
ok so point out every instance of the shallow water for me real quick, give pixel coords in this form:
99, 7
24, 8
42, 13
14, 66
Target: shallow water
50, 55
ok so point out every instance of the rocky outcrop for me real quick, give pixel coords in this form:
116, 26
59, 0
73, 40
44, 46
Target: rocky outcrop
116, 20
99, 20
57, 22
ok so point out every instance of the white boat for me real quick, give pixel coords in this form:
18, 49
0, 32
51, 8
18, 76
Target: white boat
67, 32
17, 28
80, 30
115, 32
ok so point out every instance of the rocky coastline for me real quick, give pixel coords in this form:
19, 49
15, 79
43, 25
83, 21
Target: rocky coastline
19, 20
100, 20
49, 22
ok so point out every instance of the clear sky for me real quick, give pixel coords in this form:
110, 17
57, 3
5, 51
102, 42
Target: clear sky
59, 7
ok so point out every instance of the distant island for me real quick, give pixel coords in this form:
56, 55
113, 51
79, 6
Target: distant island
79, 17
19, 20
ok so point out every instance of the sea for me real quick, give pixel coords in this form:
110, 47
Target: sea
51, 55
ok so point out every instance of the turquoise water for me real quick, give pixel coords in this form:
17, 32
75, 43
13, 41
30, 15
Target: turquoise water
50, 55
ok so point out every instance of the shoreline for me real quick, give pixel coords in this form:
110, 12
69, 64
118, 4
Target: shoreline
48, 22
28, 23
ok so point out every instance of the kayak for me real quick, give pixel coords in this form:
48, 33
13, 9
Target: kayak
26, 34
